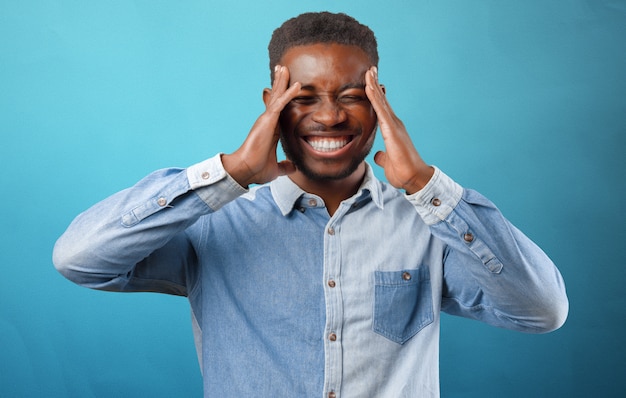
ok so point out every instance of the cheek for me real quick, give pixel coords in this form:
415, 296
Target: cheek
289, 118
367, 117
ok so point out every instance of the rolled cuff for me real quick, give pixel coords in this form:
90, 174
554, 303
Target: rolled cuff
212, 183
437, 199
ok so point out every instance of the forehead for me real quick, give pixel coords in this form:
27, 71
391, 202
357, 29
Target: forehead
324, 65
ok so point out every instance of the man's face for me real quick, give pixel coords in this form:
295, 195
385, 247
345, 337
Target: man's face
329, 128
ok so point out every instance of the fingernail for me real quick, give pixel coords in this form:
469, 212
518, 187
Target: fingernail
276, 68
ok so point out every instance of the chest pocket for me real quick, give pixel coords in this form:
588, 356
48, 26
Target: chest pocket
403, 303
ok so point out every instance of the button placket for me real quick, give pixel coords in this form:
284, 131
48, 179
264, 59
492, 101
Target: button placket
334, 310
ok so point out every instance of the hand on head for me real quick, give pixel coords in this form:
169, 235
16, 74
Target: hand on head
255, 162
404, 167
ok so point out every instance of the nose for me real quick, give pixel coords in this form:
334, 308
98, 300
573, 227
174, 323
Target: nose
328, 112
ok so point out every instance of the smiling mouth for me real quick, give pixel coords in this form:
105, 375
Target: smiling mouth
328, 144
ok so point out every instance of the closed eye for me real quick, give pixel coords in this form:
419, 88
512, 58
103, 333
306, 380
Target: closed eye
352, 99
304, 100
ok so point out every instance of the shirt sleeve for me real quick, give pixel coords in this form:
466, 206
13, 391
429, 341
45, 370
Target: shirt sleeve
135, 240
492, 271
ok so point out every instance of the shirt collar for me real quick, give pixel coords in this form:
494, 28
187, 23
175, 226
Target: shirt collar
286, 193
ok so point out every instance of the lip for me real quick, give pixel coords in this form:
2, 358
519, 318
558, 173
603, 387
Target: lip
328, 152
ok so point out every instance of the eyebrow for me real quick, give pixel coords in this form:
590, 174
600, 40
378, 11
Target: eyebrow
346, 86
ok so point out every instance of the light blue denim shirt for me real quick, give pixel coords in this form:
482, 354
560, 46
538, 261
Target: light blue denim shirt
290, 302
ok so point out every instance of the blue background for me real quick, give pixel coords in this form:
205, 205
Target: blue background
521, 100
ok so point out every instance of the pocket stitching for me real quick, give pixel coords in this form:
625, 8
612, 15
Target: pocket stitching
418, 319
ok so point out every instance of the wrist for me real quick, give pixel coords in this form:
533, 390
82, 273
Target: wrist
420, 180
237, 169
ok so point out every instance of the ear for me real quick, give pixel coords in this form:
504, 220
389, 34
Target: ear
267, 93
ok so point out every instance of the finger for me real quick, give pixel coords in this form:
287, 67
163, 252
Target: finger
281, 79
386, 117
281, 94
380, 158
291, 93
375, 93
286, 167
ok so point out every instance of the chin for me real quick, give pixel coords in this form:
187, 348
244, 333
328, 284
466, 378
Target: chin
329, 173
320, 170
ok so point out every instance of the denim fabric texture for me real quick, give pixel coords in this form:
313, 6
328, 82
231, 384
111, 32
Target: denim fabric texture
288, 301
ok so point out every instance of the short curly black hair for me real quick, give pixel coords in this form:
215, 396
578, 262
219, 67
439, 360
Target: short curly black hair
321, 27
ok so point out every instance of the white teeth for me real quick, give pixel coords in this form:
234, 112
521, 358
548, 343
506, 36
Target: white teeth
327, 145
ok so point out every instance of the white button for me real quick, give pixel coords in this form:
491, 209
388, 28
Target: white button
206, 175
161, 202
312, 202
331, 231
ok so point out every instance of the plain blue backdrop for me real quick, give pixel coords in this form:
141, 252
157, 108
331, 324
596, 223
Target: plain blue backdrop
524, 101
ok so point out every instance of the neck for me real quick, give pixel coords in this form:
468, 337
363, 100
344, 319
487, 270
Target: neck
332, 192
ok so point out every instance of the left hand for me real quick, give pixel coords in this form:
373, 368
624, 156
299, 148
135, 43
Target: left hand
404, 167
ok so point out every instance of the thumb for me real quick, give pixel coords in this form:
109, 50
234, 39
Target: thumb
380, 158
286, 167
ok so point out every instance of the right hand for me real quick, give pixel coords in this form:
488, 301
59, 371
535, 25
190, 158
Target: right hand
255, 162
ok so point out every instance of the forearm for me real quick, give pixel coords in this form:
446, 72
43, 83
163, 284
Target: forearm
103, 245
492, 272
